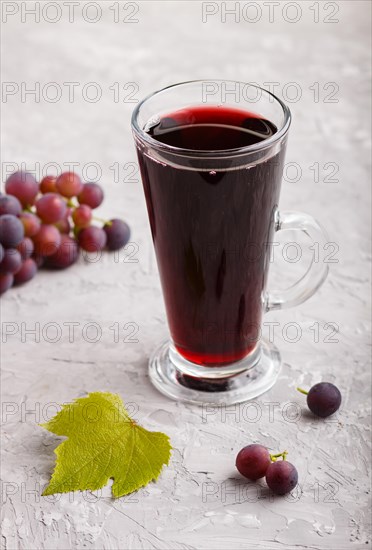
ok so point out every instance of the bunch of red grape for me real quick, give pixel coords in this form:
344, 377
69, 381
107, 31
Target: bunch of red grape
46, 224
255, 462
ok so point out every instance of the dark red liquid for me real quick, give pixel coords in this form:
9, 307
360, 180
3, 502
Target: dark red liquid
211, 222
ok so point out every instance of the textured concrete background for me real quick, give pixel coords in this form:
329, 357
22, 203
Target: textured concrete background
199, 501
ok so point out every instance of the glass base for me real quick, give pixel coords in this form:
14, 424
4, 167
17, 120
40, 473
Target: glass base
179, 379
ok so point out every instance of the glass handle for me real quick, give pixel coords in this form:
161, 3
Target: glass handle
317, 272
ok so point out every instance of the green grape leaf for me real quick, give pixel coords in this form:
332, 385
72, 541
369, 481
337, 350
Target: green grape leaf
104, 442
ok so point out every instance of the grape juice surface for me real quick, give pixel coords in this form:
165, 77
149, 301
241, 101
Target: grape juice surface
211, 229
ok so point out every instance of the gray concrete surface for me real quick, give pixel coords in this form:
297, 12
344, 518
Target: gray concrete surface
322, 70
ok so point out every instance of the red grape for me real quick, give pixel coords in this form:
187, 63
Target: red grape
92, 239
51, 208
69, 184
26, 273
324, 399
118, 234
12, 261
10, 205
91, 194
281, 477
66, 255
47, 240
48, 185
11, 231
24, 186
31, 223
64, 225
252, 461
82, 216
6, 281
25, 248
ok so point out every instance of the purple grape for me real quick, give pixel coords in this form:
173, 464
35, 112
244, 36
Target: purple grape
31, 223
6, 282
26, 248
51, 208
39, 260
66, 255
91, 195
12, 261
281, 477
323, 399
92, 239
10, 205
11, 231
252, 461
24, 186
118, 234
26, 273
1, 253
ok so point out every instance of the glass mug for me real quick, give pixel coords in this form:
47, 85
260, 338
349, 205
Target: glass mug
213, 214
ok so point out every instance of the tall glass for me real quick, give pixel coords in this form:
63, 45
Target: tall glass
213, 215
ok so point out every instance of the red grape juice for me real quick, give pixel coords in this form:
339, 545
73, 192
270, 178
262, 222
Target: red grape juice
212, 220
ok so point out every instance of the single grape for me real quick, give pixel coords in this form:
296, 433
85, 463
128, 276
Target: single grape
11, 231
24, 186
26, 273
281, 477
6, 282
26, 248
1, 252
10, 205
323, 399
48, 185
91, 194
69, 184
47, 240
12, 261
118, 234
66, 255
31, 223
64, 226
252, 461
51, 208
39, 260
92, 239
82, 216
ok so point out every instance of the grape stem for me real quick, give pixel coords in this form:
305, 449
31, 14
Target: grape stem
105, 222
71, 204
302, 391
274, 458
